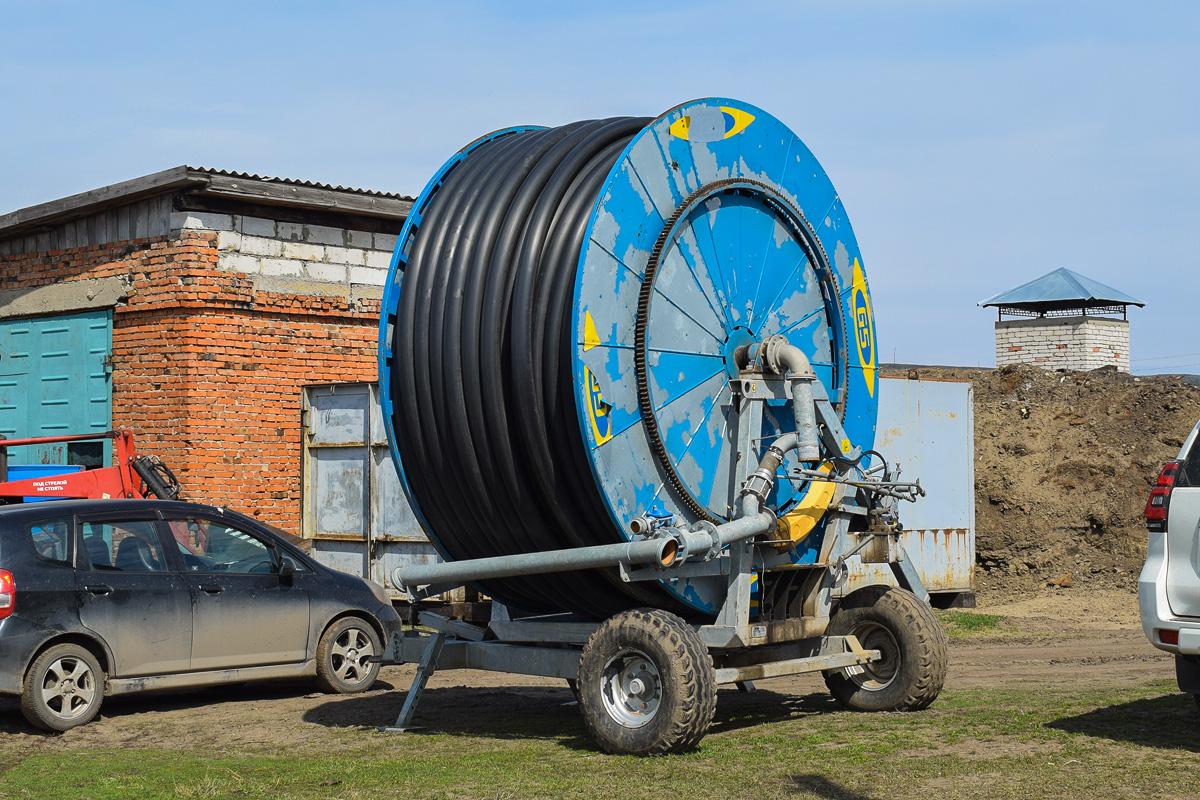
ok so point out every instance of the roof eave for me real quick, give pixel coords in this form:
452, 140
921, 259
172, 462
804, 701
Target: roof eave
33, 218
250, 189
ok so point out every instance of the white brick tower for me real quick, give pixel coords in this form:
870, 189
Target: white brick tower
1063, 320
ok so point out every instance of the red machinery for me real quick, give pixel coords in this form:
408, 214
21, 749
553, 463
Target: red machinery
130, 475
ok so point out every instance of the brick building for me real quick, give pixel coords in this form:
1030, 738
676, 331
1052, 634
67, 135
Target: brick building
192, 306
1063, 320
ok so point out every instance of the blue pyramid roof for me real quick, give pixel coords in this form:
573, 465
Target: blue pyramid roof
1062, 287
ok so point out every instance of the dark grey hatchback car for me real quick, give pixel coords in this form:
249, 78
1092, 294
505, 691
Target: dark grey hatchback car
105, 597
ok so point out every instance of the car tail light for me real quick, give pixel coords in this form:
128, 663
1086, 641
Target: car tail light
1160, 498
8, 593
1168, 637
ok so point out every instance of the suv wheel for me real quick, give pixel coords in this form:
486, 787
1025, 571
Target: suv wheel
63, 688
342, 656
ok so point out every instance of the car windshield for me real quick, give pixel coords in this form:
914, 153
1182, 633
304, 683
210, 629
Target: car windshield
301, 544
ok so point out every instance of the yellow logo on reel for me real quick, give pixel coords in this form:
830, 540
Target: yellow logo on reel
708, 124
864, 327
599, 412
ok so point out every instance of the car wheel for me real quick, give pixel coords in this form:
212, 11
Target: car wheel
63, 688
343, 654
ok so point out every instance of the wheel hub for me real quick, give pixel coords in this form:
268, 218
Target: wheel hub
880, 673
631, 689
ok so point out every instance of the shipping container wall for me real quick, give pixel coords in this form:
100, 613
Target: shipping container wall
354, 509
928, 428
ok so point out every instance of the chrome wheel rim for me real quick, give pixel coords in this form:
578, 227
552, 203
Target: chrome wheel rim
68, 688
349, 656
631, 689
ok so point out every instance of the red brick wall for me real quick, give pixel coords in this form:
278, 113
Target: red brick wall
207, 372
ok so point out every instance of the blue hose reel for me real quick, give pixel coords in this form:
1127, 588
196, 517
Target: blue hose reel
712, 229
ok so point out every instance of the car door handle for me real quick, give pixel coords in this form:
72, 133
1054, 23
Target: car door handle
99, 588
211, 588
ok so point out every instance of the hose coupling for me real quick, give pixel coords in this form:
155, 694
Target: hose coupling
759, 483
651, 521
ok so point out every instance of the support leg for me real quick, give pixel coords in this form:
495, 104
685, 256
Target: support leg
908, 577
425, 670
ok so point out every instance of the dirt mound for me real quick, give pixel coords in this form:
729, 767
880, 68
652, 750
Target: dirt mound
1063, 465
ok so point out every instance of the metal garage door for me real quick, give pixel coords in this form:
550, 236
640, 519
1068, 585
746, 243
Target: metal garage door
54, 379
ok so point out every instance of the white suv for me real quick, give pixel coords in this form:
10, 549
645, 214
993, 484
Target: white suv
1169, 586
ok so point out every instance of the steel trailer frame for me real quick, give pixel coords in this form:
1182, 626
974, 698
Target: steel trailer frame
743, 649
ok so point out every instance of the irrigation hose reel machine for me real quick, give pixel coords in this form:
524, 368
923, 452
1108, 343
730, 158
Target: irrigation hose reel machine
628, 370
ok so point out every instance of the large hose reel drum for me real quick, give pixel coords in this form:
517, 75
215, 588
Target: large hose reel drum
562, 322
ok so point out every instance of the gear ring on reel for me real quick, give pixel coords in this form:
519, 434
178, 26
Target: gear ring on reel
812, 247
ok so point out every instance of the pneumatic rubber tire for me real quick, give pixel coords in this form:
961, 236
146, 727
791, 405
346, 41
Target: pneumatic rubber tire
914, 649
342, 656
646, 684
63, 688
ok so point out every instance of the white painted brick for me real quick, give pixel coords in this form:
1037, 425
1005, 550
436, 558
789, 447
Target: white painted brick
261, 246
201, 220
292, 231
322, 234
236, 262
229, 240
378, 258
374, 277
386, 241
281, 266
344, 255
303, 251
331, 273
1072, 344
361, 239
257, 226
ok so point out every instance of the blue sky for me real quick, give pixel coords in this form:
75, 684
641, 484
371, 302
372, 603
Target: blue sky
976, 145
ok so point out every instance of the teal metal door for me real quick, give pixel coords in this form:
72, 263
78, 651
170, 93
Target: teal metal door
54, 380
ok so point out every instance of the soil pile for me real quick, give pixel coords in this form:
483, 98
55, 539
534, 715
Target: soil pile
1063, 465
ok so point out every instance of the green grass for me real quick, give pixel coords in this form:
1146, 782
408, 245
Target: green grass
965, 624
1127, 741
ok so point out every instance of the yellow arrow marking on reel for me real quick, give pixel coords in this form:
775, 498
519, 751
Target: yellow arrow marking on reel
591, 338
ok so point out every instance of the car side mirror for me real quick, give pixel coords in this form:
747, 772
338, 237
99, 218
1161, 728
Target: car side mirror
287, 569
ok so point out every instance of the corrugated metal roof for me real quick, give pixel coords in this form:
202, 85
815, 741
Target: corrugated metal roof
1061, 286
206, 181
294, 182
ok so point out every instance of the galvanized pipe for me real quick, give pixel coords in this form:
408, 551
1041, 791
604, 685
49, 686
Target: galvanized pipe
708, 541
659, 552
790, 361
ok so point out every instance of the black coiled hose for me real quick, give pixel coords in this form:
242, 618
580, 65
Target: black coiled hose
484, 408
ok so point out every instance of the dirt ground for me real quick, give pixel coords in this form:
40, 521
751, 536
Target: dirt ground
1057, 638
1063, 465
